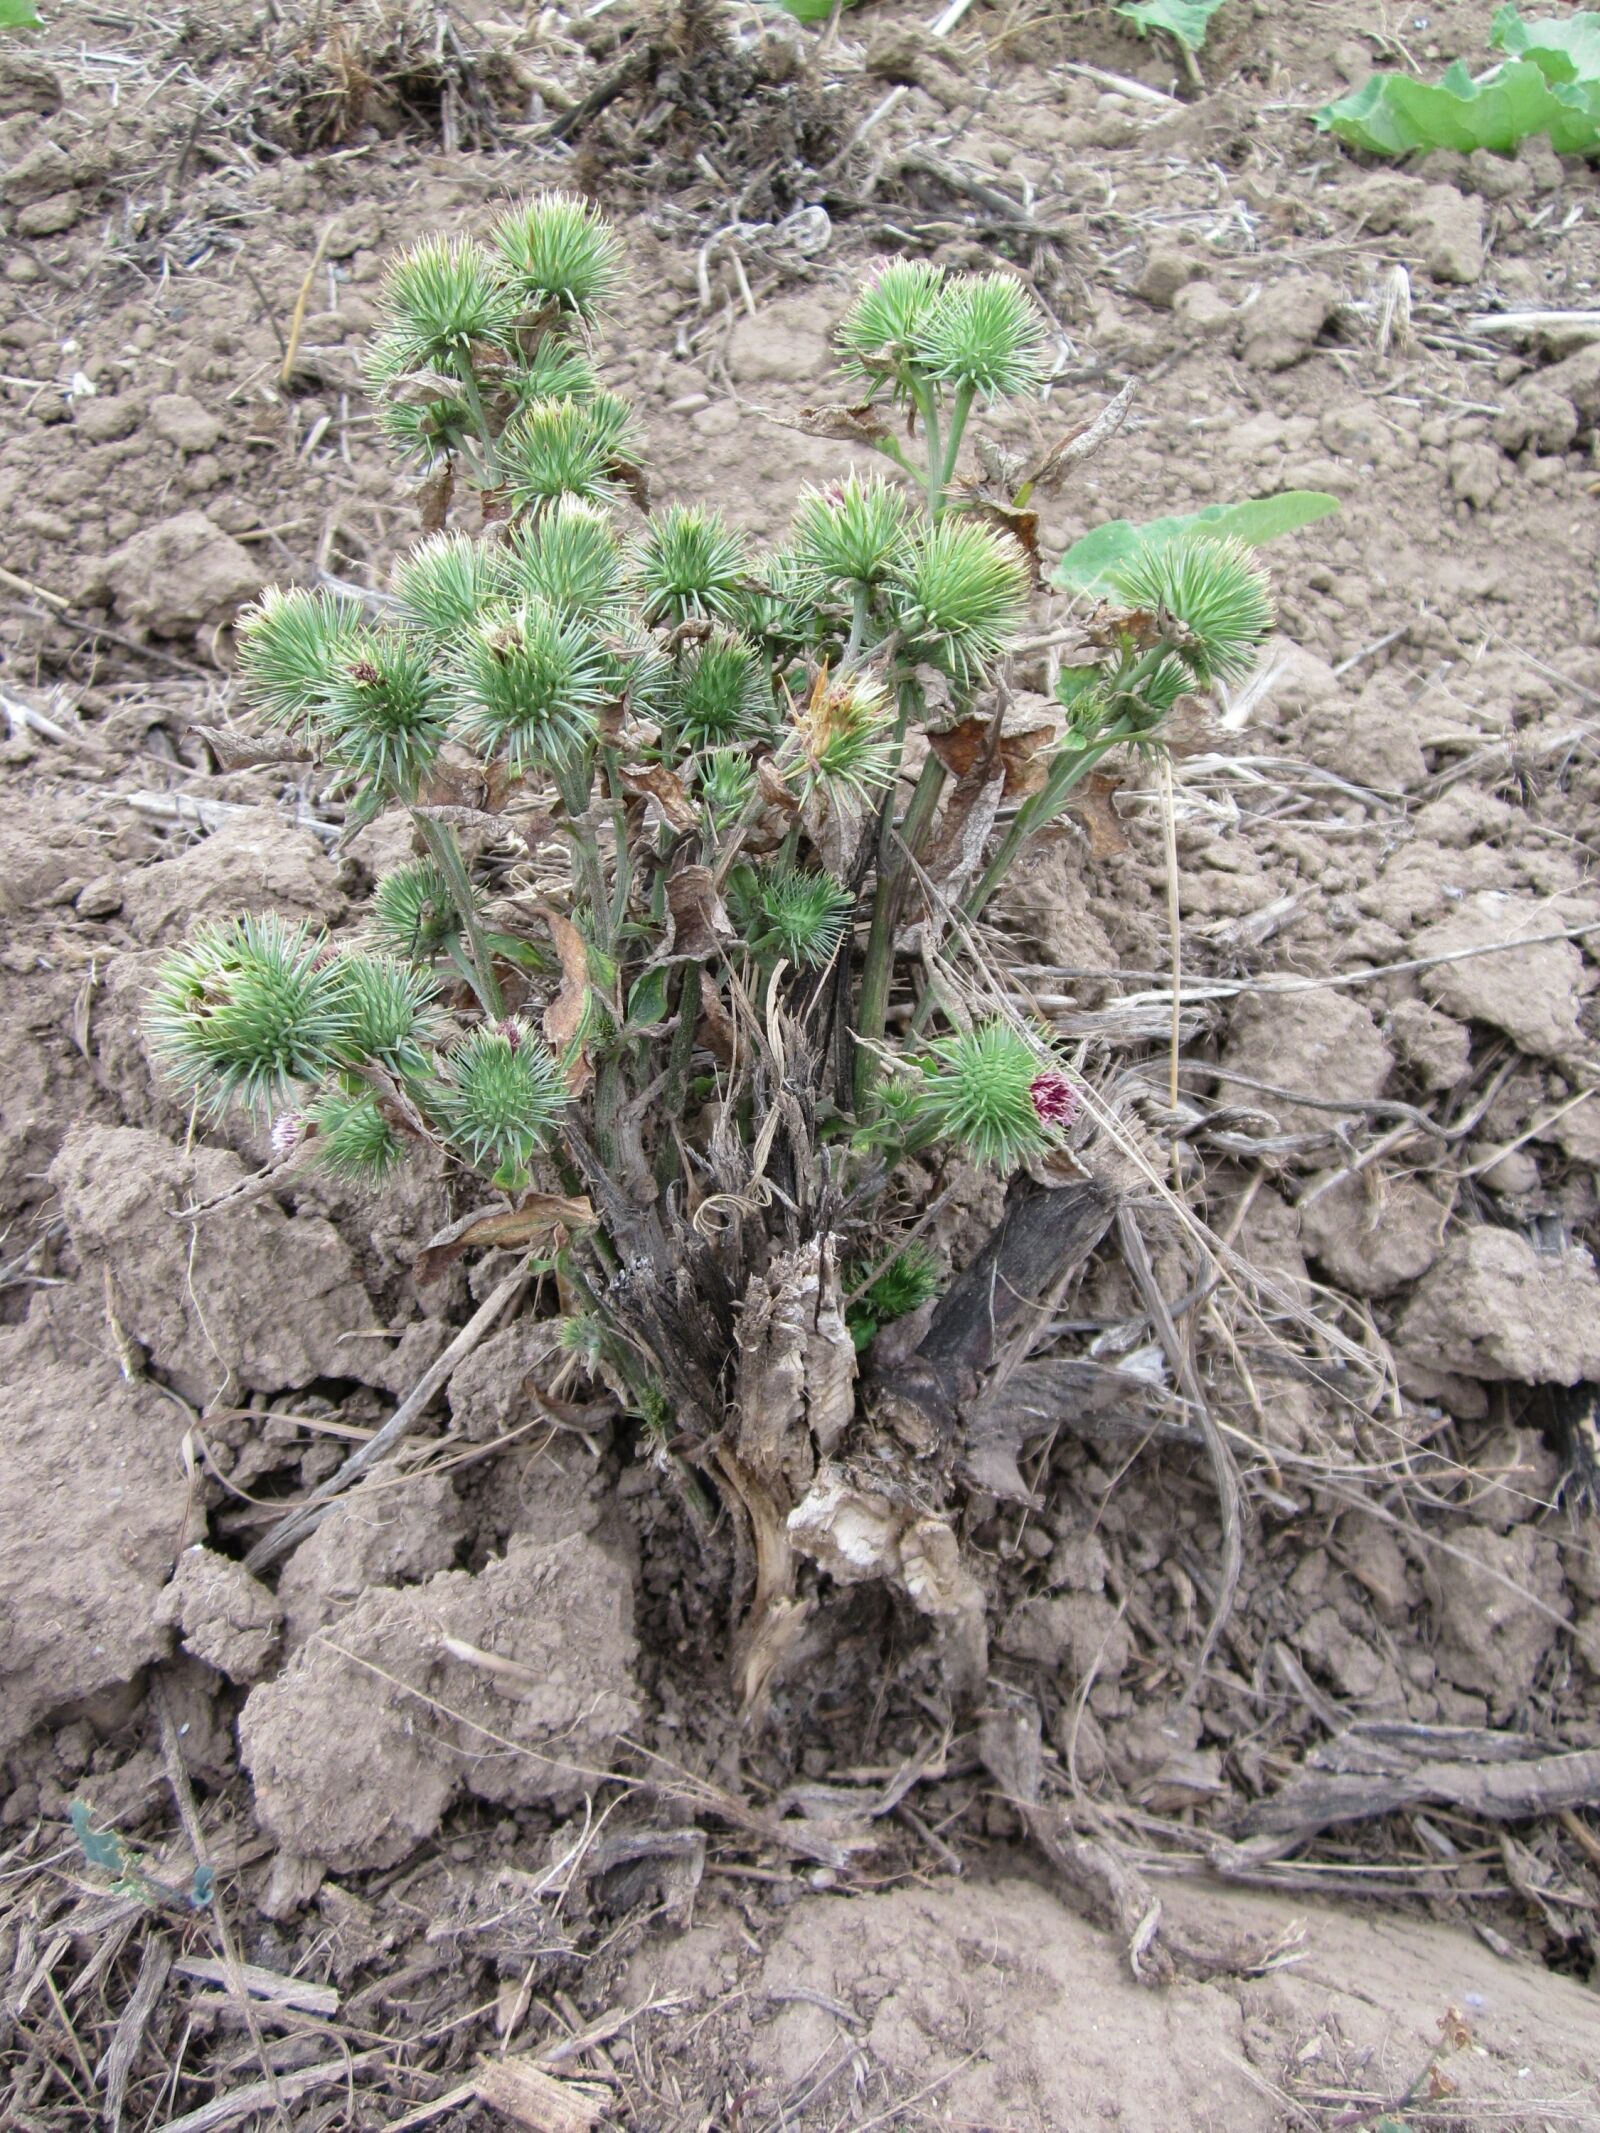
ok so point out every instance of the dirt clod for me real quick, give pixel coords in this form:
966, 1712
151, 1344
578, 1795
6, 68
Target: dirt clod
206, 1303
93, 1499
511, 1685
1500, 1600
224, 1615
180, 576
1493, 1307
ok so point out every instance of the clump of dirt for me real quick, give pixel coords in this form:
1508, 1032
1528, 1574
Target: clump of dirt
377, 1535
966, 1988
212, 1318
511, 1685
223, 1615
94, 1504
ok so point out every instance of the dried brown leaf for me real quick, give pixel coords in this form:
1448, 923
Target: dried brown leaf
1085, 440
1023, 527
434, 495
564, 1017
539, 1214
716, 1032
861, 424
1020, 755
656, 780
699, 920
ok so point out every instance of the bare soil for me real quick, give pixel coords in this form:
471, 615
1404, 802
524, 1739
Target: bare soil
465, 1766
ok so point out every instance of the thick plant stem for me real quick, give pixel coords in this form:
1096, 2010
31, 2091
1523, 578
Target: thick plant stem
877, 972
861, 605
440, 839
679, 1060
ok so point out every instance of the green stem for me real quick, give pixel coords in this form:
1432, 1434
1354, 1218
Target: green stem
1066, 772
468, 378
622, 885
440, 839
958, 423
861, 601
928, 409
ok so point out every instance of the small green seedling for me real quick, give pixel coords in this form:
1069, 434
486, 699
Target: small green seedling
1549, 83
19, 15
1185, 21
113, 1855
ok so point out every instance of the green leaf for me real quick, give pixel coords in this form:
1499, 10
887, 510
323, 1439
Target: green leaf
19, 15
1090, 564
1187, 20
647, 1001
1549, 84
1566, 50
100, 1847
1073, 682
809, 10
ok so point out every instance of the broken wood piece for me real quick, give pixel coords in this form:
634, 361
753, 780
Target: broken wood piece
520, 2091
1043, 1234
1499, 1791
297, 1992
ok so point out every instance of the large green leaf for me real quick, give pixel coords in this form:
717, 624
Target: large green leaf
1549, 84
1088, 564
1392, 115
1565, 50
1187, 20
18, 15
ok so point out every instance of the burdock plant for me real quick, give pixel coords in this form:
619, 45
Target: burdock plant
707, 1045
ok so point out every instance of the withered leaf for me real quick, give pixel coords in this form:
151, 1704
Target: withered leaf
633, 479
1021, 756
539, 1215
457, 780
860, 424
434, 494
677, 809
699, 920
1085, 440
957, 845
775, 788
1023, 527
716, 1032
564, 1017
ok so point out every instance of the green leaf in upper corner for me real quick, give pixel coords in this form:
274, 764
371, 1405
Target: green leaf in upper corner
1549, 83
1088, 564
1392, 115
647, 1001
19, 15
1567, 49
809, 10
1187, 20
